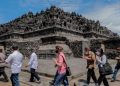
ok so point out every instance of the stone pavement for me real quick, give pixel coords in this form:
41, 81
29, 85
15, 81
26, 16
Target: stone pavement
80, 81
78, 67
46, 68
24, 80
24, 77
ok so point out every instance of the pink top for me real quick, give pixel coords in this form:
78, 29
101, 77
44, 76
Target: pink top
61, 69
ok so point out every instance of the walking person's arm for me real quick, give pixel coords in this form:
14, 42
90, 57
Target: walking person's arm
30, 61
91, 57
9, 59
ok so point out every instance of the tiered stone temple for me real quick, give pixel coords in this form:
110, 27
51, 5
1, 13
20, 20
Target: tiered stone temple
44, 30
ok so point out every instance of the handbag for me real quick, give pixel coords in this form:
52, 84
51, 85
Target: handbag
68, 71
106, 69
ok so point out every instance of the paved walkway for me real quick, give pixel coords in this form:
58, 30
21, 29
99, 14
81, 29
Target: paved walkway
24, 80
78, 68
80, 81
24, 77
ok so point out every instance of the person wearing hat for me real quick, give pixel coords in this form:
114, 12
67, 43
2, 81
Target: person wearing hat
15, 59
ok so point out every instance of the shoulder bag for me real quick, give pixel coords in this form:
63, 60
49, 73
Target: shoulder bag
68, 71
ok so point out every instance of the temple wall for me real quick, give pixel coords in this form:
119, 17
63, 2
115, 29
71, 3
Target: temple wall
70, 36
52, 27
95, 44
76, 48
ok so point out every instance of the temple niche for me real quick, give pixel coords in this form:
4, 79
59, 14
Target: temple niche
52, 27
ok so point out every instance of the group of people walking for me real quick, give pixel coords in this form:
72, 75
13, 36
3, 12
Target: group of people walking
100, 59
93, 58
16, 60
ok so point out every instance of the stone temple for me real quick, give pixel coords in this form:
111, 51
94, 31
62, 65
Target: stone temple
44, 30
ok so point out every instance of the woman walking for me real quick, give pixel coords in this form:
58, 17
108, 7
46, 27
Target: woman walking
101, 60
61, 68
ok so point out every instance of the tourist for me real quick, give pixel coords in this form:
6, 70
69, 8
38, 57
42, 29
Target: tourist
33, 63
101, 60
61, 68
91, 60
117, 67
2, 66
15, 59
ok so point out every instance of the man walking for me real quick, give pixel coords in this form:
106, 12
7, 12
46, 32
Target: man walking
33, 63
2, 66
15, 59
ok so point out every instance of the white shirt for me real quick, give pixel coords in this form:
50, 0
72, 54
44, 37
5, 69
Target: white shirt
15, 59
33, 63
101, 60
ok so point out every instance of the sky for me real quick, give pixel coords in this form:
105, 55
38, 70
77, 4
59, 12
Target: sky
106, 11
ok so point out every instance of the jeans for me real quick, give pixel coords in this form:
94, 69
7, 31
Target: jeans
55, 77
33, 75
15, 79
117, 67
61, 78
91, 73
102, 78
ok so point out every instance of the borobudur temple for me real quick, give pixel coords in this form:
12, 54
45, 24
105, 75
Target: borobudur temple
51, 27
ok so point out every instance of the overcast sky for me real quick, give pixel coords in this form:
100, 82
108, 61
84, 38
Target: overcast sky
106, 11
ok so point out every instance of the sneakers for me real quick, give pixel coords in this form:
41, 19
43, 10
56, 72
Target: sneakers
39, 81
33, 80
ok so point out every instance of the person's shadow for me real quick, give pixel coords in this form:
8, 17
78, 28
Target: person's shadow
82, 82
